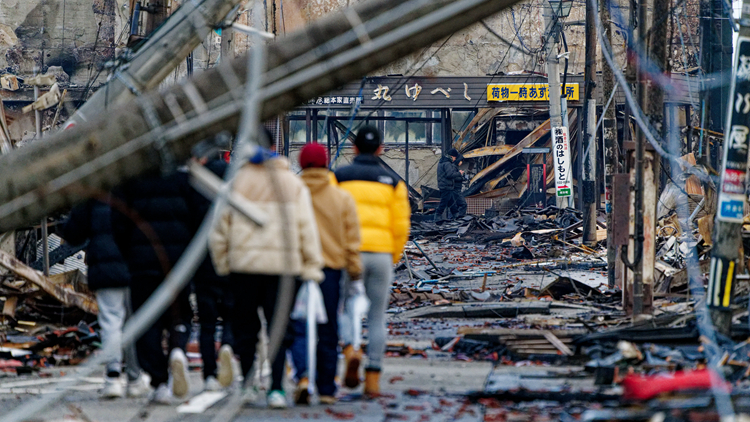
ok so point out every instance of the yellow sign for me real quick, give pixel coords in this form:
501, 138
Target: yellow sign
527, 92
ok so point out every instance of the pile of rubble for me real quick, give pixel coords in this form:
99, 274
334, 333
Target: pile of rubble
45, 320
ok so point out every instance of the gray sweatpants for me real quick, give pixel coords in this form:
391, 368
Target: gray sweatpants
377, 275
114, 308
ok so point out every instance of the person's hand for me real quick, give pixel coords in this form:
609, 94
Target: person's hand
462, 172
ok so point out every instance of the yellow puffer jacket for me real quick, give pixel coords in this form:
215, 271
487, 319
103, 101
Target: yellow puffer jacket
382, 205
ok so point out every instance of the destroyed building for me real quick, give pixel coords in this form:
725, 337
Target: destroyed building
584, 299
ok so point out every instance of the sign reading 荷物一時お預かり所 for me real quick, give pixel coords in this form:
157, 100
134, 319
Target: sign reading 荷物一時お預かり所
561, 160
528, 92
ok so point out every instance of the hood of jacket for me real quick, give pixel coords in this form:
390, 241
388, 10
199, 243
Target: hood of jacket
316, 179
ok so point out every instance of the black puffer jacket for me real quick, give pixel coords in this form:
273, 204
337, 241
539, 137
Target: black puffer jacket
159, 225
92, 221
447, 174
206, 274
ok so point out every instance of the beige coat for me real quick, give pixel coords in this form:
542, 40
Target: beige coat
338, 226
239, 246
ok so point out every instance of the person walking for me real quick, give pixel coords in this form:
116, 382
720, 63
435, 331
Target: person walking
212, 292
383, 211
448, 176
255, 257
152, 235
338, 226
109, 279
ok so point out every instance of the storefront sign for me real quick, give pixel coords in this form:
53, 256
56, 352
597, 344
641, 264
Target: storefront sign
527, 92
561, 158
734, 170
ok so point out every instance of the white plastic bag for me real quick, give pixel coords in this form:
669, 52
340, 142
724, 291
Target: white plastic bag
357, 305
309, 295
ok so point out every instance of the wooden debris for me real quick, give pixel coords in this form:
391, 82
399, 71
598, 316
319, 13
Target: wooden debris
65, 295
9, 308
9, 82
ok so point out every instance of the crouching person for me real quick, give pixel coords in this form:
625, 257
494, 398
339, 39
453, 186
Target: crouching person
255, 257
336, 216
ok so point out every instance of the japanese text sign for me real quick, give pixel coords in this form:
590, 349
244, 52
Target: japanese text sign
561, 160
527, 92
734, 169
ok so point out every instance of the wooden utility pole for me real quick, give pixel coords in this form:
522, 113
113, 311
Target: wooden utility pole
588, 150
562, 166
657, 49
634, 261
141, 135
611, 146
158, 12
727, 237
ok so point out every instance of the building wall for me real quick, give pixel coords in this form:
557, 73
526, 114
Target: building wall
77, 35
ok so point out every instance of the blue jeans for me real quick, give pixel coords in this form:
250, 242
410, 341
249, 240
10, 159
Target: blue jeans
328, 337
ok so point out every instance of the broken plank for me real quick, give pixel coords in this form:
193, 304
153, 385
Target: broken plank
9, 308
529, 140
488, 151
66, 296
557, 343
495, 310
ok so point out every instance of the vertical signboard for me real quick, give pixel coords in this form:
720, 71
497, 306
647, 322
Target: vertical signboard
734, 169
561, 158
537, 179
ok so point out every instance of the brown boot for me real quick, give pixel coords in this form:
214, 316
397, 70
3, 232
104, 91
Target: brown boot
352, 359
372, 382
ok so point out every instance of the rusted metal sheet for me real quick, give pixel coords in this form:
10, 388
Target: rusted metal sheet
65, 295
620, 205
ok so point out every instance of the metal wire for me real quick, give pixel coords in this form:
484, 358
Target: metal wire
638, 113
185, 267
196, 250
705, 327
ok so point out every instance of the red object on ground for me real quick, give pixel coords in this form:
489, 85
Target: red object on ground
639, 387
9, 364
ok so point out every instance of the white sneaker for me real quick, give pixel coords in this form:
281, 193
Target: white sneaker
113, 388
277, 400
162, 395
178, 366
212, 384
225, 371
140, 387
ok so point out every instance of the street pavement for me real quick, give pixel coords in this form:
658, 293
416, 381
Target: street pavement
414, 389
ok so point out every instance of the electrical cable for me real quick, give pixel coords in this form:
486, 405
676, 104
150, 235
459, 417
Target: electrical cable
638, 114
350, 126
185, 267
500, 37
723, 402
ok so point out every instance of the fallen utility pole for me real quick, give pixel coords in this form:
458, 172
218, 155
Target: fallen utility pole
158, 129
611, 146
590, 189
165, 49
727, 236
